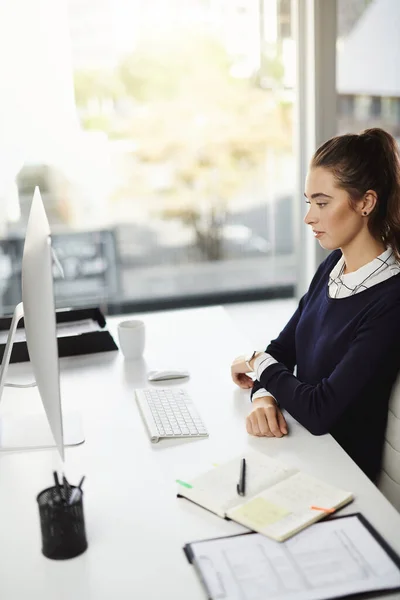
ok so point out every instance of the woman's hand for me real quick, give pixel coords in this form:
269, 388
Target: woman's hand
266, 419
239, 369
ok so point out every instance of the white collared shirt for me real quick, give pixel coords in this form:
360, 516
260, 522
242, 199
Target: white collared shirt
381, 268
342, 285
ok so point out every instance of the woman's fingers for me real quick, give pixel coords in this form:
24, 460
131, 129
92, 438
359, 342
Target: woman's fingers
271, 415
246, 381
242, 380
252, 424
266, 421
239, 369
256, 424
282, 423
249, 426
262, 422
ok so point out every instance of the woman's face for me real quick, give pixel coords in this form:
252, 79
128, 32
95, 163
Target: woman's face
334, 222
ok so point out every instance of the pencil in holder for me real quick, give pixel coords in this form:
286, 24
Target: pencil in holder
62, 522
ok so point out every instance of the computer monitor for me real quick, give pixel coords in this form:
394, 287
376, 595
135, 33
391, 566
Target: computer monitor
40, 315
38, 310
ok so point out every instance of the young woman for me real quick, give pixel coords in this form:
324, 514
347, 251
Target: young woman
344, 337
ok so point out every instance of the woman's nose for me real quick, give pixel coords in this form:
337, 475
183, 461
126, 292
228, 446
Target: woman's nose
310, 217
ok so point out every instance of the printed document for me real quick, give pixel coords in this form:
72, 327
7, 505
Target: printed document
330, 559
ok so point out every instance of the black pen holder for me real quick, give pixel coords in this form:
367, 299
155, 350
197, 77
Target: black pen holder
62, 524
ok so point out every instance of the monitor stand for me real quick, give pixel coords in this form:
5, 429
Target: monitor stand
32, 431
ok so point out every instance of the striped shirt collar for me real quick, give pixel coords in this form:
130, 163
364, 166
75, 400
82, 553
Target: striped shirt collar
381, 268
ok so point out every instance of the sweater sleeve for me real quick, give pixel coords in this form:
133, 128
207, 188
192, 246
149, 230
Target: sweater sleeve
318, 407
283, 348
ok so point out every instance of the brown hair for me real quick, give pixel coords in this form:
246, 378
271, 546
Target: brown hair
368, 161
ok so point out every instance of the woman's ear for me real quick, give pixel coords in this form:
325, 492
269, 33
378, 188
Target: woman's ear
369, 202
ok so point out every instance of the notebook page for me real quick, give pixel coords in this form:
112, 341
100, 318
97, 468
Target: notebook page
285, 508
216, 489
328, 560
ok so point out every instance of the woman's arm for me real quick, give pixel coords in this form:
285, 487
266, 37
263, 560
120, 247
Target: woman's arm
283, 348
318, 407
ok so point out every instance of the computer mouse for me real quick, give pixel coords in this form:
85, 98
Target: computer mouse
162, 375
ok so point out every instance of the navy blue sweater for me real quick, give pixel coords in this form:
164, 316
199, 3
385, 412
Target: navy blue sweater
347, 353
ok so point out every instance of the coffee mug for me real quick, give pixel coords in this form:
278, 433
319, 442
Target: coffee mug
131, 336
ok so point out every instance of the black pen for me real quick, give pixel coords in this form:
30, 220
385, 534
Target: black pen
66, 488
241, 486
58, 496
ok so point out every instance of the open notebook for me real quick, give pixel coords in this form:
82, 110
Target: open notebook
279, 501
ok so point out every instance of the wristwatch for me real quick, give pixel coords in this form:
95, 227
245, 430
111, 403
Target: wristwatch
248, 358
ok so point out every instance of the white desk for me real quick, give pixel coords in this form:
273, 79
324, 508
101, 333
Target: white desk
136, 526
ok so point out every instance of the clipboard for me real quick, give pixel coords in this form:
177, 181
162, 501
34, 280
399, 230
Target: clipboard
96, 339
215, 588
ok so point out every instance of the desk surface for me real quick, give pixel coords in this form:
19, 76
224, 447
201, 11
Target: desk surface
136, 526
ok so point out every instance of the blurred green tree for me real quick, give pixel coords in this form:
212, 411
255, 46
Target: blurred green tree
96, 84
201, 134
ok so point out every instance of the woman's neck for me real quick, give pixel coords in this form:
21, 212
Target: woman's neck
357, 255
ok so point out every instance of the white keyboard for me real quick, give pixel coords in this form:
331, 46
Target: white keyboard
169, 413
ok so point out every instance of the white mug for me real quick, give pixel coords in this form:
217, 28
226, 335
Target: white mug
131, 336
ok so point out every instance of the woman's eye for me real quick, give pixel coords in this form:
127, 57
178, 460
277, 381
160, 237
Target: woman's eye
321, 204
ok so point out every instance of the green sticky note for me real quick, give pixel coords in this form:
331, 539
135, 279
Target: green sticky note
186, 485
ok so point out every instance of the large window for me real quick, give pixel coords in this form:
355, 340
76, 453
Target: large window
160, 135
368, 74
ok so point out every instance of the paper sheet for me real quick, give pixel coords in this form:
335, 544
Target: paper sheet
327, 560
63, 329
